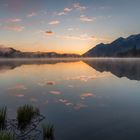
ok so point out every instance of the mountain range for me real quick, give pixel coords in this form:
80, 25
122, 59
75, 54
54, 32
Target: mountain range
121, 47
12, 53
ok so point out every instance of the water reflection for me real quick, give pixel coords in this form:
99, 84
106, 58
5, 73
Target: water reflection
81, 98
7, 64
118, 67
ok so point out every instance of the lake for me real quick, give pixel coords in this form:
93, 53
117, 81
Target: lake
89, 99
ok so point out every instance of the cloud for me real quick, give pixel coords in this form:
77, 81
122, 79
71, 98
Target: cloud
61, 14
72, 29
79, 106
50, 83
85, 95
14, 20
19, 95
80, 37
84, 18
65, 102
18, 87
46, 83
65, 11
78, 6
55, 92
76, 106
55, 22
48, 33
32, 14
16, 28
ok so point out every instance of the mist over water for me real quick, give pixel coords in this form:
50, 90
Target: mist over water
83, 99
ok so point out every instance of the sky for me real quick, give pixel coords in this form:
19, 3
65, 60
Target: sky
66, 26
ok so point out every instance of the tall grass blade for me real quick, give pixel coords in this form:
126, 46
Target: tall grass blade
48, 132
3, 117
6, 136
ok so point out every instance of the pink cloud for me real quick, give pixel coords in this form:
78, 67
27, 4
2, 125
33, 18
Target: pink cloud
65, 11
55, 22
61, 13
85, 95
84, 18
14, 20
55, 92
65, 102
16, 28
19, 95
78, 6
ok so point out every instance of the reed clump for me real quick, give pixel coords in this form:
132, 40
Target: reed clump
25, 114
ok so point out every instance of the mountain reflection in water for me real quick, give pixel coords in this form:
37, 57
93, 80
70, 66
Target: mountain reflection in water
118, 67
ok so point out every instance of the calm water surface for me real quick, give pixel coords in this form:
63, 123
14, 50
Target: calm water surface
95, 99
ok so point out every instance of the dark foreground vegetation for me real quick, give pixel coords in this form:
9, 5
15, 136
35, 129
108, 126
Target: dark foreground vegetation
26, 126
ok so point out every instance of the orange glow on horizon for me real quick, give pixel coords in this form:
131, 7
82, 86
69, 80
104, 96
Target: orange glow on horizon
80, 52
58, 46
